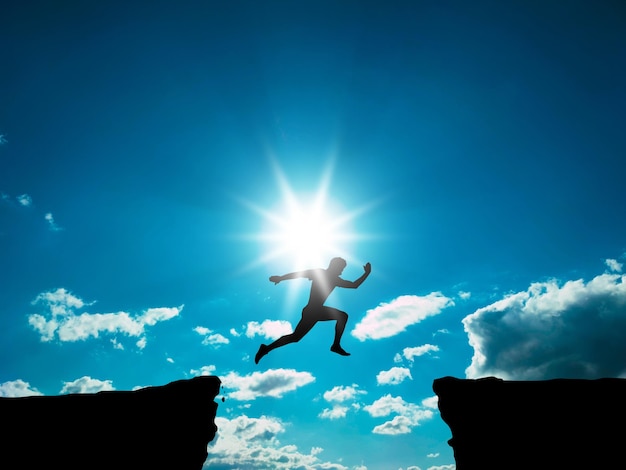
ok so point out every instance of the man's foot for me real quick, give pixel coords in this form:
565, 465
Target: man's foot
339, 350
261, 352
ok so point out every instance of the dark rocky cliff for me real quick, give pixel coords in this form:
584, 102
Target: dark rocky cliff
166, 427
551, 424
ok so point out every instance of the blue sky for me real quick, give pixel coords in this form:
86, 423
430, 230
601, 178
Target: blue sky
155, 157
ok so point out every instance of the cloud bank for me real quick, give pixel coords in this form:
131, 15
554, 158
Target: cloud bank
390, 319
17, 388
60, 320
573, 330
253, 443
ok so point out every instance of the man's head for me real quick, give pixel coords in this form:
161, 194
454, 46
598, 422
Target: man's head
337, 265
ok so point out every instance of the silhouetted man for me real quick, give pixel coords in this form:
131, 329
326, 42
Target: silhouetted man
323, 283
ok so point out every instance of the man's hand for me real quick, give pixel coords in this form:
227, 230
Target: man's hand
275, 279
367, 268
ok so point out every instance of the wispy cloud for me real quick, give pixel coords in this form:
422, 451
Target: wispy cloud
574, 330
210, 337
407, 415
390, 319
411, 353
253, 443
271, 383
393, 376
3, 139
269, 329
17, 388
87, 385
25, 200
614, 265
60, 320
52, 225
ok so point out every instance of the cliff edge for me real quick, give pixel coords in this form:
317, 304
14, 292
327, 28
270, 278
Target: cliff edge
166, 427
561, 423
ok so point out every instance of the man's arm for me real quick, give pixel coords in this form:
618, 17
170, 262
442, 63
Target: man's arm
307, 273
354, 284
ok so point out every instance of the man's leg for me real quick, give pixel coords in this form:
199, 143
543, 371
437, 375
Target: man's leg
341, 318
302, 328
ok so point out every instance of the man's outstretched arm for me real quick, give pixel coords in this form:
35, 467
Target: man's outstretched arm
354, 284
294, 275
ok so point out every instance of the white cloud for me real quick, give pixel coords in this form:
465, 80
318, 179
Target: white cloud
210, 338
86, 385
204, 370
269, 329
614, 265
3, 139
342, 393
25, 200
431, 402
408, 415
336, 412
411, 353
390, 319
271, 383
393, 376
432, 456
464, 295
573, 330
337, 396
60, 321
253, 443
17, 388
52, 225
398, 425
443, 467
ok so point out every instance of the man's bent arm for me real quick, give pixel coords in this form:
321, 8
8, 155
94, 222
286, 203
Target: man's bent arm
359, 281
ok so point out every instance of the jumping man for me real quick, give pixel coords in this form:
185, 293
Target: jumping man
323, 283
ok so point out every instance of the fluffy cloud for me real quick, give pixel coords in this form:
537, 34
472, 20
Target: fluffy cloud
393, 376
337, 396
342, 393
336, 412
411, 353
390, 319
573, 330
86, 385
62, 322
210, 338
17, 388
408, 415
253, 443
271, 383
204, 370
269, 329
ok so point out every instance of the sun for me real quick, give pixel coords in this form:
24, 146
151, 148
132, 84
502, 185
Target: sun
306, 230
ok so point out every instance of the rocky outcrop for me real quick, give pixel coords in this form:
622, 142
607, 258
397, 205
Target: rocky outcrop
166, 427
562, 423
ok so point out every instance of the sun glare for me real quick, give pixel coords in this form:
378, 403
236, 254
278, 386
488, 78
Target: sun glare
305, 230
